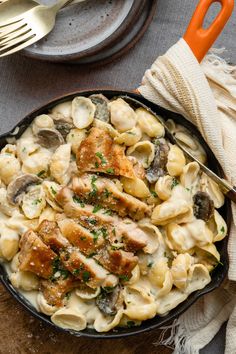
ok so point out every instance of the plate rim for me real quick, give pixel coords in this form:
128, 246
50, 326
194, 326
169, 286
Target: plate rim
136, 9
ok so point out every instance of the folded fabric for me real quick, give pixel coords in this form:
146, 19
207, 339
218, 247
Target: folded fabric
206, 95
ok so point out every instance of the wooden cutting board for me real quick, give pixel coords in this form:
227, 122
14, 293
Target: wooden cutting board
20, 333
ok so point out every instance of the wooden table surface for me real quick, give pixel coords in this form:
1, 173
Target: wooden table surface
26, 84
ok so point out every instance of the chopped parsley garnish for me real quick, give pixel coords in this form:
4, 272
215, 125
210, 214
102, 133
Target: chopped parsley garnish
91, 221
131, 133
57, 267
94, 190
108, 289
123, 277
36, 201
41, 173
91, 254
130, 324
96, 208
101, 157
187, 189
104, 232
95, 235
86, 276
96, 164
83, 238
154, 194
107, 193
110, 171
79, 201
174, 183
108, 212
24, 149
114, 231
67, 296
115, 248
77, 271
150, 264
54, 192
222, 229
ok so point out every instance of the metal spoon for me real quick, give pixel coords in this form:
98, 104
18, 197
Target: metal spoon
228, 190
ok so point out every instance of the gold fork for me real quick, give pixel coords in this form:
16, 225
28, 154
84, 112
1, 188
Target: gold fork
27, 28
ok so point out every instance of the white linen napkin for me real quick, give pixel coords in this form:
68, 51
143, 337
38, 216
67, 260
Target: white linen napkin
206, 95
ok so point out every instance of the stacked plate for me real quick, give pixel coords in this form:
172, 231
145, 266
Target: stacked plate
94, 31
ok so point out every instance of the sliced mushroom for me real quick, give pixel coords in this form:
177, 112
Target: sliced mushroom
63, 126
203, 206
109, 300
19, 186
102, 111
158, 166
50, 138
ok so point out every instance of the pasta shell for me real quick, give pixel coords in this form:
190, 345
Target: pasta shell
123, 116
143, 151
9, 243
130, 137
60, 163
104, 323
170, 301
139, 305
44, 307
154, 237
63, 109
157, 273
218, 226
87, 293
190, 177
75, 138
176, 161
9, 167
179, 270
34, 202
106, 126
149, 124
25, 280
199, 277
70, 318
163, 187
42, 122
83, 111
135, 186
212, 188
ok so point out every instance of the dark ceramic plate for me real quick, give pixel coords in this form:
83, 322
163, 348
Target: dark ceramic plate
86, 28
219, 272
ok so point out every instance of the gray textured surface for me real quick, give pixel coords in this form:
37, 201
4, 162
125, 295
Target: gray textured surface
26, 84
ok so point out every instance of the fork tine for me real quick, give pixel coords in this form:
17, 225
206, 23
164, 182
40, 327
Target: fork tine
19, 40
11, 29
11, 22
27, 43
22, 31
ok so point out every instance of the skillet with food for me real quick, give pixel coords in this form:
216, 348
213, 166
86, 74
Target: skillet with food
107, 229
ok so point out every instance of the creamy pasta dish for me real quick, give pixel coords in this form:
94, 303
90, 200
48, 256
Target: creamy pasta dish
103, 222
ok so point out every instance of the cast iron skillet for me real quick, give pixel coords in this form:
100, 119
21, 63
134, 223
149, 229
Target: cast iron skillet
217, 275
199, 40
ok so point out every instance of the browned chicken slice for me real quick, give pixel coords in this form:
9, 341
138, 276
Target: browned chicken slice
86, 269
99, 153
88, 242
104, 192
51, 235
131, 235
35, 256
117, 261
54, 292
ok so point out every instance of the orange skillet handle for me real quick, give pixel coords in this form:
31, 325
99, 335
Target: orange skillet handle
199, 39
